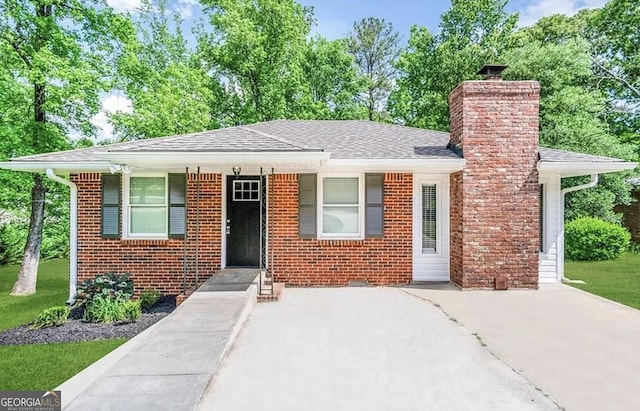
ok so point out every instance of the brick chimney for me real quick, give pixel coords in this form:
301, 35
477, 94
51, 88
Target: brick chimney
494, 200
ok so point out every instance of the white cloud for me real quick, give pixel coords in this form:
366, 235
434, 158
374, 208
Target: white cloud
542, 8
125, 5
111, 103
185, 8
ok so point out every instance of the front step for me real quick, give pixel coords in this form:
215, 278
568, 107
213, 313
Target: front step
267, 296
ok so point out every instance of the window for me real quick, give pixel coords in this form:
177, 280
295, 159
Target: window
246, 190
541, 218
147, 206
429, 219
341, 206
152, 206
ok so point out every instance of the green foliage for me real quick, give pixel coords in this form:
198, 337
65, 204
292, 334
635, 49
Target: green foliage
109, 286
634, 247
170, 94
51, 317
55, 241
374, 45
256, 46
148, 298
592, 239
103, 309
131, 311
472, 33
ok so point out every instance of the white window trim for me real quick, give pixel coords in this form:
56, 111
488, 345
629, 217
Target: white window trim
126, 208
320, 207
544, 182
440, 204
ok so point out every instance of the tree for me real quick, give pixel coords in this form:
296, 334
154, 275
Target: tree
256, 47
170, 93
571, 117
332, 82
616, 56
375, 47
58, 49
472, 34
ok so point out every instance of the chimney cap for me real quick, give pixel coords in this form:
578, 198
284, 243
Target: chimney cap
492, 70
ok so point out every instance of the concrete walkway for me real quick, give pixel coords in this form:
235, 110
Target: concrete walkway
168, 366
580, 349
363, 349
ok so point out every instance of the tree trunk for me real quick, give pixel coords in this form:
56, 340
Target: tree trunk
26, 283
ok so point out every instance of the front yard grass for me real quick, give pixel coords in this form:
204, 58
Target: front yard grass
45, 366
617, 280
42, 366
52, 289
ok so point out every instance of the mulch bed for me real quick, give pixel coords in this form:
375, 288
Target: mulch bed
77, 330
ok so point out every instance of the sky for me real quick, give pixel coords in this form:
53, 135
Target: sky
335, 18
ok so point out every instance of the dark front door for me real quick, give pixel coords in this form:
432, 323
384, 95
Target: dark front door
243, 221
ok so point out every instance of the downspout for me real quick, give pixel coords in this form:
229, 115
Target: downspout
560, 256
73, 233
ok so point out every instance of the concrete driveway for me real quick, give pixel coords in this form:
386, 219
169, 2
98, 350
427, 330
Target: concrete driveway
364, 349
580, 349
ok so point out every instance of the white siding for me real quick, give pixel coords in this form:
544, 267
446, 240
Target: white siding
553, 219
431, 266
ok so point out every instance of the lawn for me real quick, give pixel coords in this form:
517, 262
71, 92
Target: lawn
42, 366
52, 289
617, 280
45, 366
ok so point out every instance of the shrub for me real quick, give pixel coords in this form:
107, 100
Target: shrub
103, 309
148, 298
634, 247
131, 311
109, 285
51, 317
592, 239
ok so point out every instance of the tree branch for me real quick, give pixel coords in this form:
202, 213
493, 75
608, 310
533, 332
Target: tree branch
616, 77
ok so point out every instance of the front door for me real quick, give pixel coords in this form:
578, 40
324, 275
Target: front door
243, 221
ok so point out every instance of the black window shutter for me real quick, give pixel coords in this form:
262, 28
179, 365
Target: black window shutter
374, 211
307, 208
177, 205
110, 206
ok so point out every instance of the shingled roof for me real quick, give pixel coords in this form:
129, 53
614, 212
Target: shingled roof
342, 139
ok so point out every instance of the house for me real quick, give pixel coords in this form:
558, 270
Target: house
631, 212
330, 202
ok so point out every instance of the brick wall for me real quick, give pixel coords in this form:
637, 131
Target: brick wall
152, 263
494, 200
379, 261
631, 215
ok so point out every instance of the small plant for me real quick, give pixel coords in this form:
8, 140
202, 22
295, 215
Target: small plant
634, 247
51, 317
591, 239
110, 285
103, 309
131, 311
148, 298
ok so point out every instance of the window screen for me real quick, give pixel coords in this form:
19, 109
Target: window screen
340, 208
429, 228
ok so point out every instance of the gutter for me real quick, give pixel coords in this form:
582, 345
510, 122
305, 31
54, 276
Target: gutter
560, 256
73, 234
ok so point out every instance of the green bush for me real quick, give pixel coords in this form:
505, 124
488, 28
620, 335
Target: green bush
131, 311
103, 309
13, 236
109, 285
51, 317
591, 239
148, 298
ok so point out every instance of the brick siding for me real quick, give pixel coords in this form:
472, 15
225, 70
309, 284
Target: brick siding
378, 261
494, 200
157, 264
